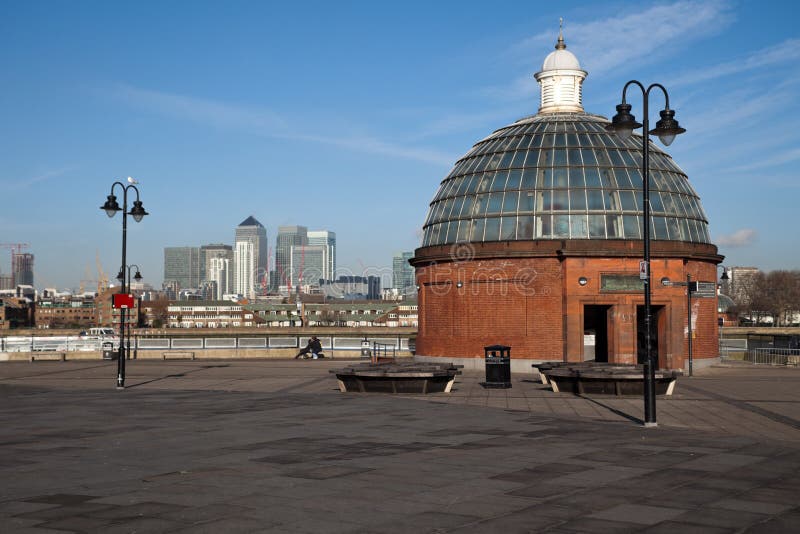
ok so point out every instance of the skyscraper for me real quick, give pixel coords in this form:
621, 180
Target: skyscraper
403, 272
182, 266
740, 284
308, 264
288, 237
250, 258
211, 251
324, 238
220, 272
22, 268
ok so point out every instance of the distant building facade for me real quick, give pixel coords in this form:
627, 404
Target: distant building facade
182, 266
208, 253
403, 273
309, 265
209, 314
14, 313
739, 285
250, 258
67, 312
22, 268
353, 288
6, 281
288, 237
326, 239
220, 274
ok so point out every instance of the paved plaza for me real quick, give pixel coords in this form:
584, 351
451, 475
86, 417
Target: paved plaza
273, 446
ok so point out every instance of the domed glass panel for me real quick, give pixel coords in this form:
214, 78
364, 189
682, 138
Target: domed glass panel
562, 176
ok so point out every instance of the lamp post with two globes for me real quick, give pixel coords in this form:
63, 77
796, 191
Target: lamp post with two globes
111, 207
623, 124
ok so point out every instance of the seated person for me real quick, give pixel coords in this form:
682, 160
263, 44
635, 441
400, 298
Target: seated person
314, 347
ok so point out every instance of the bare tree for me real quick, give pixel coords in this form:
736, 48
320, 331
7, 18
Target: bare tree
775, 294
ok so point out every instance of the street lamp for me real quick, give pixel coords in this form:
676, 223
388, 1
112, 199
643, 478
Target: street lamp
121, 278
111, 207
623, 124
721, 325
724, 276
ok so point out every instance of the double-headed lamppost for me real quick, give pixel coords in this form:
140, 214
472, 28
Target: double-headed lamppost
666, 129
111, 207
121, 278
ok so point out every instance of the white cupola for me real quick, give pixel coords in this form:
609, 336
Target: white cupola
560, 80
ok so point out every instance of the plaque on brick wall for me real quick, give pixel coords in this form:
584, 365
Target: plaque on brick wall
630, 283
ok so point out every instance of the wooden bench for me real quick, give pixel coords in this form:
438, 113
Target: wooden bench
604, 378
49, 356
178, 355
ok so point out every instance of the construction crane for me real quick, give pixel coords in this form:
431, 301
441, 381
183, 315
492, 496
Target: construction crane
102, 279
87, 278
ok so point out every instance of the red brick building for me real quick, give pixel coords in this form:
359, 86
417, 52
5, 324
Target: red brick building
534, 241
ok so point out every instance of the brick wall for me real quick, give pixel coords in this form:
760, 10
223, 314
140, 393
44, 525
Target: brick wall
536, 306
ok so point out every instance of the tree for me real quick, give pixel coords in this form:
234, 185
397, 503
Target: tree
775, 294
157, 312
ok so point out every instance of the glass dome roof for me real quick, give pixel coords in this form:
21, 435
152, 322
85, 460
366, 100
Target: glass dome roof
724, 303
562, 176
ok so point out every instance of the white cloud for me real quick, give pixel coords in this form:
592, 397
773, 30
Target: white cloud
785, 53
632, 39
24, 183
265, 123
740, 238
201, 110
779, 157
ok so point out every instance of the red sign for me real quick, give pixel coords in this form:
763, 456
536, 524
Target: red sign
122, 300
643, 274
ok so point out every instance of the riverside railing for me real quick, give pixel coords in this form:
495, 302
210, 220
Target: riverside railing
330, 344
773, 356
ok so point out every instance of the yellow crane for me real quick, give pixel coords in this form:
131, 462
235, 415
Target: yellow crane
102, 279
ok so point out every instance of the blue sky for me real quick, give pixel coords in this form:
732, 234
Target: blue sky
346, 115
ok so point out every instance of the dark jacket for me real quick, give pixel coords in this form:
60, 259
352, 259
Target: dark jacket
314, 346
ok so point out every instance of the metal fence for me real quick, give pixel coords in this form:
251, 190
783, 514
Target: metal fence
52, 344
75, 343
773, 356
732, 347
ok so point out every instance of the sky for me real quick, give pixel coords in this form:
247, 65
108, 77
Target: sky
346, 116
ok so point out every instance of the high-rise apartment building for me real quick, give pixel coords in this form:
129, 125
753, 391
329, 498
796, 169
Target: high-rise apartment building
288, 237
324, 238
211, 251
403, 272
182, 266
22, 268
308, 265
220, 274
7, 281
740, 284
251, 274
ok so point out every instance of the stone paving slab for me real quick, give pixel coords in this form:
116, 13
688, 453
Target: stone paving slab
273, 446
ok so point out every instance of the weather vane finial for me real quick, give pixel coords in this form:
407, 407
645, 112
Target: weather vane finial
560, 45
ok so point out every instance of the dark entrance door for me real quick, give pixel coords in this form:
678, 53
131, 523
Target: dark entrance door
655, 312
595, 328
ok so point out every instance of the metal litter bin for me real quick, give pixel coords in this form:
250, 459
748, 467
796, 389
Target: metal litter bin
108, 351
498, 366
